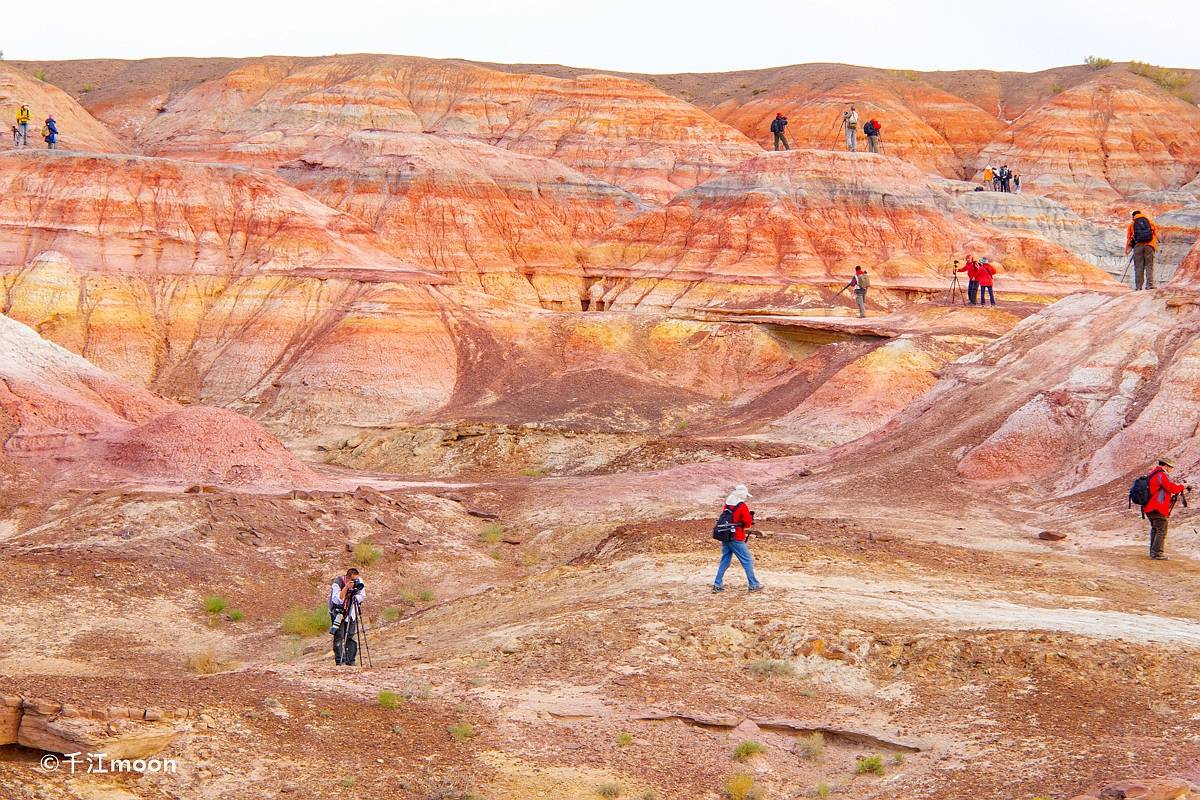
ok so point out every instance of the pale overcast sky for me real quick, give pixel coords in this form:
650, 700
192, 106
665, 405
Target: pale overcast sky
632, 35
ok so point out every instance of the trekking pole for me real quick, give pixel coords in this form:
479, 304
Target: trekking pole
1125, 271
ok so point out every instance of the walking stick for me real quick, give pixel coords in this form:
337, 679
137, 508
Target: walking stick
1125, 271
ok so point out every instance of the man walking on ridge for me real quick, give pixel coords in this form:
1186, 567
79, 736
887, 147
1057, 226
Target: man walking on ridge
734, 524
1163, 492
777, 126
1141, 239
23, 124
860, 282
850, 123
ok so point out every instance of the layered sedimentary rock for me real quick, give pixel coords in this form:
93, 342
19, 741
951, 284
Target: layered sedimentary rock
71, 419
922, 124
77, 128
810, 217
506, 223
118, 733
274, 110
1096, 143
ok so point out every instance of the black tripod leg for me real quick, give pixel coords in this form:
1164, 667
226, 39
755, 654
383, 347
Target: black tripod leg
362, 634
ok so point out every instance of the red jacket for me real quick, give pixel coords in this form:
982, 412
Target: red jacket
972, 269
743, 520
1162, 488
984, 273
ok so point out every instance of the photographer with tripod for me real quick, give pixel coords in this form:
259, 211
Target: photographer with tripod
346, 595
1161, 494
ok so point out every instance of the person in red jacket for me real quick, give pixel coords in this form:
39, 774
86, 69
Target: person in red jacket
972, 270
1162, 499
983, 274
737, 546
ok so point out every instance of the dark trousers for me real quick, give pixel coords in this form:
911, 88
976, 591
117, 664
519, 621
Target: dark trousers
1158, 532
972, 290
781, 139
986, 292
345, 643
1143, 266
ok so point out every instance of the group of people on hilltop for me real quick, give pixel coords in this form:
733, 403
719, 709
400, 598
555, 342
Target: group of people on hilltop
20, 131
873, 130
1000, 179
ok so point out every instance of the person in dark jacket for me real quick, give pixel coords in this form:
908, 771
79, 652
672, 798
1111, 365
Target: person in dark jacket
1141, 243
52, 134
777, 126
737, 546
1163, 492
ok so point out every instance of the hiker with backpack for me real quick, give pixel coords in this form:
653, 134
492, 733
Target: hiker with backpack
850, 123
733, 531
972, 270
777, 126
872, 129
859, 282
23, 125
1141, 243
984, 274
50, 133
1156, 494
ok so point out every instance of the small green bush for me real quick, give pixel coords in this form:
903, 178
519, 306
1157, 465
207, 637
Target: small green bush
40, 74
748, 749
624, 739
1096, 62
609, 790
214, 604
492, 533
767, 667
869, 765
425, 596
495, 554
462, 731
348, 783
366, 554
389, 700
237, 615
534, 472
87, 87
898, 759
391, 614
813, 746
822, 790
325, 713
306, 622
1168, 79
742, 787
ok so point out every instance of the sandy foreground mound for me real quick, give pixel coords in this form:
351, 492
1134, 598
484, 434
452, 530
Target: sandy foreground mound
209, 445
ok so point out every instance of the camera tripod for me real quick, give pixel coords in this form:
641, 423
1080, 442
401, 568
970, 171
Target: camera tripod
956, 291
360, 634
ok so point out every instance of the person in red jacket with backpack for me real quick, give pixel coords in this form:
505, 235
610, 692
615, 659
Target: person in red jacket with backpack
983, 275
972, 270
743, 519
1163, 492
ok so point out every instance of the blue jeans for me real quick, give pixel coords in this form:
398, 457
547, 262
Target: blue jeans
742, 551
972, 290
986, 291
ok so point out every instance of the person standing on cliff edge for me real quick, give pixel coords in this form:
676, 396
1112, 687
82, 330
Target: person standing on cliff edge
777, 126
860, 282
1141, 239
23, 124
850, 123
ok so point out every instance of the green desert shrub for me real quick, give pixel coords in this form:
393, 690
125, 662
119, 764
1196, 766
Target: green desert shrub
306, 622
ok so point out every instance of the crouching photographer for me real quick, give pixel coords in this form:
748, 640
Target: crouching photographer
346, 595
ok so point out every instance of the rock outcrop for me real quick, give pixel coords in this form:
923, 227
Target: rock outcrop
78, 129
1101, 141
118, 733
505, 223
809, 217
274, 110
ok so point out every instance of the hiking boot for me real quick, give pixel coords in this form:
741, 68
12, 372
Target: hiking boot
718, 589
1160, 557
758, 588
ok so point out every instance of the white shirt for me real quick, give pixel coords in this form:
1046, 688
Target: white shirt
335, 598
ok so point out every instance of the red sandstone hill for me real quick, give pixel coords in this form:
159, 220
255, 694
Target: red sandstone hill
78, 129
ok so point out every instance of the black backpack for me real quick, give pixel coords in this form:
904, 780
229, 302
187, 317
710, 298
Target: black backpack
725, 529
1139, 493
1142, 232
870, 130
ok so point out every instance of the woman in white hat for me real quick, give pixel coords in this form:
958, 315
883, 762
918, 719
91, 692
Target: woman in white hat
737, 545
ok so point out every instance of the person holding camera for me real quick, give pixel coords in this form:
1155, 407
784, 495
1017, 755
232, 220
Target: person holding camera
733, 531
1163, 494
346, 595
